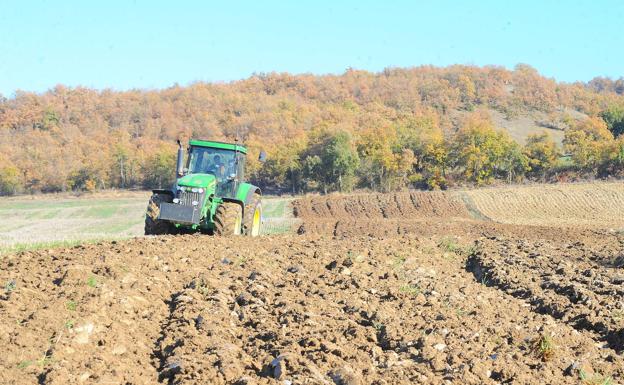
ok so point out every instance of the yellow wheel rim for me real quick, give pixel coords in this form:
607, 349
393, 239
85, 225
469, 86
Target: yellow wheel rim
255, 225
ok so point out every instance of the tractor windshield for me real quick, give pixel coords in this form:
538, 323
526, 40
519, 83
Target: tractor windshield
205, 160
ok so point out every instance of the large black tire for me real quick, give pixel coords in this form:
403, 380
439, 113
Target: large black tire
228, 219
253, 216
154, 226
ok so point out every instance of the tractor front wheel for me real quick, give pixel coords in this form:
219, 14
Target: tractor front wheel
153, 225
228, 219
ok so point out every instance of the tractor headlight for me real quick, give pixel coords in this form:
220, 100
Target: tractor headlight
194, 189
181, 188
176, 200
200, 190
195, 203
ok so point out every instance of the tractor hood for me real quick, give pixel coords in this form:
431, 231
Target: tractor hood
198, 180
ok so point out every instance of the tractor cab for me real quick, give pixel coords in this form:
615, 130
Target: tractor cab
225, 161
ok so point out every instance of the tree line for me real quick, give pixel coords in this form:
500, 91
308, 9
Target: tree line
424, 127
419, 155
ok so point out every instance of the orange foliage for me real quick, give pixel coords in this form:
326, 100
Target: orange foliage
67, 137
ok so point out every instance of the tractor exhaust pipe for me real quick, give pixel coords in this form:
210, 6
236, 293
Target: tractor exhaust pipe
180, 165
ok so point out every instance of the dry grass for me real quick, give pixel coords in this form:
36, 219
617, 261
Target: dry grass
103, 194
520, 125
35, 222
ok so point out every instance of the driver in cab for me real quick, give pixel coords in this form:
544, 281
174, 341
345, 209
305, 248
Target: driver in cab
217, 167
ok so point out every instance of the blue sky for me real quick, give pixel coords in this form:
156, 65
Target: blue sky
154, 44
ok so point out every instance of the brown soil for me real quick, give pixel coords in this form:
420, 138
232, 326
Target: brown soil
415, 204
378, 289
577, 281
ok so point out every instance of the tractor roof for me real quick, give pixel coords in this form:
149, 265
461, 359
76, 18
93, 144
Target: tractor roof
220, 145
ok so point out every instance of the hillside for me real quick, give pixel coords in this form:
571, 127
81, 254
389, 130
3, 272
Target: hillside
527, 123
79, 138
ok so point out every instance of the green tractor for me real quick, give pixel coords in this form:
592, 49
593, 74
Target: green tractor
209, 194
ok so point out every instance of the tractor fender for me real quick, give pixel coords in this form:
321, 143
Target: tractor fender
234, 200
249, 196
253, 190
244, 195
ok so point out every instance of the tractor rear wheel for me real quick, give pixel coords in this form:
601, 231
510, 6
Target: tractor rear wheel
153, 225
253, 216
228, 219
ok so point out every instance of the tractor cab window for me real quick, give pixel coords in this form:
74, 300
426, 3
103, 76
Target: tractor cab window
220, 163
241, 166
205, 160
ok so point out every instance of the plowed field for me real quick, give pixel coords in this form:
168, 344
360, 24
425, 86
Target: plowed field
375, 289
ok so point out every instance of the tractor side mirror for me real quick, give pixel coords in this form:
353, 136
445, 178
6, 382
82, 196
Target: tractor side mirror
262, 157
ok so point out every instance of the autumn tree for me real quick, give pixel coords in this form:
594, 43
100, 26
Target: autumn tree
10, 180
541, 153
125, 164
614, 118
425, 138
588, 143
332, 160
283, 170
613, 159
530, 90
482, 153
159, 170
377, 158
